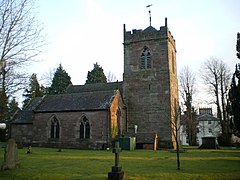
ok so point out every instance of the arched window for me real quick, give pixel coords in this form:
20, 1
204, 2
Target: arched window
81, 131
87, 127
84, 128
55, 128
145, 60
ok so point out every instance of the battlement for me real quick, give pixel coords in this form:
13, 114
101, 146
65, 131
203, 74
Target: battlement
150, 33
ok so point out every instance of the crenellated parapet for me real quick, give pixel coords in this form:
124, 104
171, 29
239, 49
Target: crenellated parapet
148, 34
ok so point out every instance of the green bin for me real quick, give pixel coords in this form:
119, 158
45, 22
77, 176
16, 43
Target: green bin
127, 143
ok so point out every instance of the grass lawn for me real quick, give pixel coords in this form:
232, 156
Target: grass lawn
47, 163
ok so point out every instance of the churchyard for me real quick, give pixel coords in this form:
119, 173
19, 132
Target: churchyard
48, 163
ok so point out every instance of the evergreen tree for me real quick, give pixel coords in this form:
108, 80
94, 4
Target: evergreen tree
238, 45
60, 82
3, 94
96, 75
234, 95
35, 90
13, 107
3, 105
234, 103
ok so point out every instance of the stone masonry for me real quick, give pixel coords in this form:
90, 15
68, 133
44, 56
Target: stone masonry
151, 94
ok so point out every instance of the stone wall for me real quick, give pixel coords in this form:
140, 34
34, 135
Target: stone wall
150, 93
22, 133
70, 130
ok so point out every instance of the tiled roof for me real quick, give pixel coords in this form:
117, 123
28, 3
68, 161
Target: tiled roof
77, 101
23, 117
26, 115
79, 97
207, 117
95, 87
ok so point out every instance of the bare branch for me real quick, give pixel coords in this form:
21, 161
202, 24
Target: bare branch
21, 41
216, 75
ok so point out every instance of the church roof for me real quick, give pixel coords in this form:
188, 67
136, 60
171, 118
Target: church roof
95, 87
26, 115
96, 96
150, 29
96, 100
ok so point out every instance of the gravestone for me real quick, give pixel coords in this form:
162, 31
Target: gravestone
155, 142
10, 156
117, 173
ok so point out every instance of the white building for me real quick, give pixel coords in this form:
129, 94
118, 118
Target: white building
183, 135
208, 126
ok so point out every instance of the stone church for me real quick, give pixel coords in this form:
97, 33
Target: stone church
92, 116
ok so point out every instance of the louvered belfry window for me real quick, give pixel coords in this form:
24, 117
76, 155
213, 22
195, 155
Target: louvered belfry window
145, 60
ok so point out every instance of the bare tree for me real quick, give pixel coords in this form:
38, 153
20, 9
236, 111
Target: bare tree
187, 82
111, 77
47, 77
216, 75
175, 124
20, 41
187, 90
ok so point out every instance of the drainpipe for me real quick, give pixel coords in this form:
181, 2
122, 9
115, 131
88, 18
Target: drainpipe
126, 118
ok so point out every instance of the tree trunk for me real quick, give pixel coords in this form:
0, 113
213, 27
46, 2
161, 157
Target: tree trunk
178, 158
3, 97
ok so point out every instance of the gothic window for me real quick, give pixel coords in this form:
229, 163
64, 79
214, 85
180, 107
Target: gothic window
145, 60
81, 130
84, 128
87, 127
55, 129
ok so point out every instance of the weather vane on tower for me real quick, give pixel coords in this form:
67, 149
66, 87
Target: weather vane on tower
149, 11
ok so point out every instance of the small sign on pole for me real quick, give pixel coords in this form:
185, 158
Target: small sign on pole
2, 126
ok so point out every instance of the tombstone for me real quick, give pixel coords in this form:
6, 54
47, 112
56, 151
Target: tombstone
10, 156
155, 142
117, 173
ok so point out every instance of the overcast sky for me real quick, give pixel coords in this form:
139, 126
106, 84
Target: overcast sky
82, 32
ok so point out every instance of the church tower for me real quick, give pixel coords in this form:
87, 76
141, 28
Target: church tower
150, 86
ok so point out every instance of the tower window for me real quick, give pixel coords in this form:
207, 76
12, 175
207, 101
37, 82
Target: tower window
145, 60
84, 128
